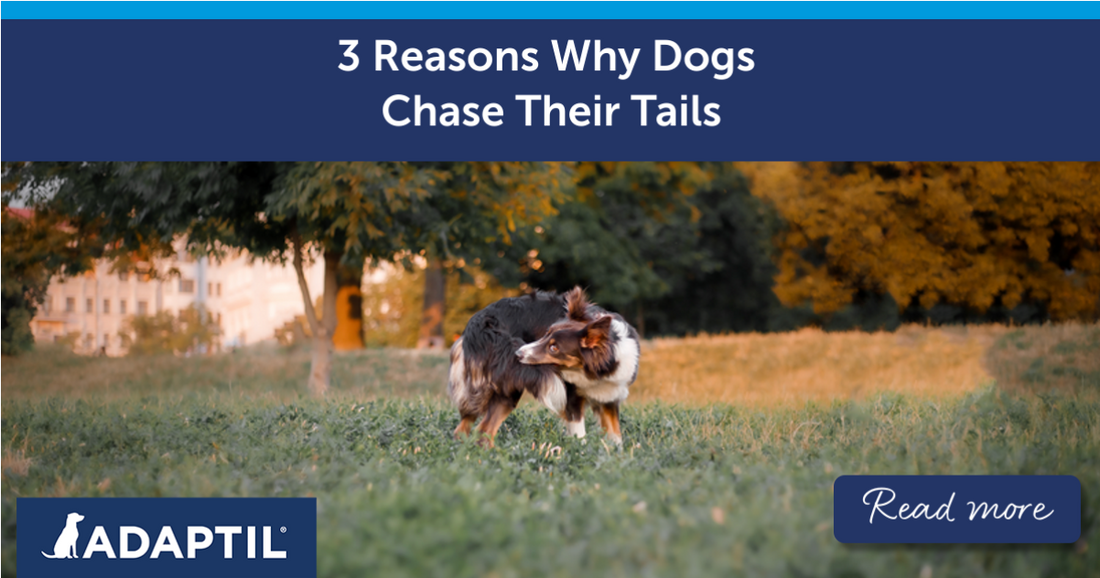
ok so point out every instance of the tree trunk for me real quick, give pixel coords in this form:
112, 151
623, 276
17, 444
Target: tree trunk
435, 307
349, 308
320, 371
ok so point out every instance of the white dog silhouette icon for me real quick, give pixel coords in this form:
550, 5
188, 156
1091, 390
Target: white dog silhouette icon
65, 547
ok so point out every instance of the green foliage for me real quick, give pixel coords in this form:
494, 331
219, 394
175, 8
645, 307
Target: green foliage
141, 208
695, 492
683, 246
391, 307
383, 210
348, 208
17, 336
192, 331
611, 233
346, 211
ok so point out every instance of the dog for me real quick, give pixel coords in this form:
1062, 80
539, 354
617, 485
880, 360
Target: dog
65, 547
566, 352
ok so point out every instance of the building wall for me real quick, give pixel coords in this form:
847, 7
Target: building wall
248, 300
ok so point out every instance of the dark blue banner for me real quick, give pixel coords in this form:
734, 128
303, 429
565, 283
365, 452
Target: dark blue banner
957, 509
167, 537
696, 90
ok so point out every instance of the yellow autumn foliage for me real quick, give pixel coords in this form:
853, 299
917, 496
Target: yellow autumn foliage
971, 234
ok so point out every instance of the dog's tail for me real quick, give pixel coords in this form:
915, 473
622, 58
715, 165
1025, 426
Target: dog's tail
552, 393
463, 385
48, 556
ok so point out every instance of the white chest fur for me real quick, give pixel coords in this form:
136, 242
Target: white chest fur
614, 387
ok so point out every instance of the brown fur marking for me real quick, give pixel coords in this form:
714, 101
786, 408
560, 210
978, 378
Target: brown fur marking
463, 429
499, 408
596, 348
608, 414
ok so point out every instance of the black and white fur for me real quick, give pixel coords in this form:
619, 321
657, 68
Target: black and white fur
498, 357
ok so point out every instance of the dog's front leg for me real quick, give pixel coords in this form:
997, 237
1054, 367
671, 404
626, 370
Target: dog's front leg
573, 414
608, 414
575, 428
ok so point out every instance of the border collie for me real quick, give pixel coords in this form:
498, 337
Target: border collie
563, 350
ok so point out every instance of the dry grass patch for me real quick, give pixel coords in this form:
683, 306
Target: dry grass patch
15, 463
812, 365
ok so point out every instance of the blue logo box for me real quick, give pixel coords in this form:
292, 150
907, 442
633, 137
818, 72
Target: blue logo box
167, 537
957, 509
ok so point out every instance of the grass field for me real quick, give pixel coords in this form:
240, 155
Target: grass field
731, 447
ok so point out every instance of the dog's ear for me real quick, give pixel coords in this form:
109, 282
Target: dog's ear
596, 333
576, 304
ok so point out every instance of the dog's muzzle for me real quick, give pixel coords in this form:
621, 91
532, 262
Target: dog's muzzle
523, 354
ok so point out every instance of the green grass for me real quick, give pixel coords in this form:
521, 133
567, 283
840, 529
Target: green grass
270, 373
695, 491
698, 489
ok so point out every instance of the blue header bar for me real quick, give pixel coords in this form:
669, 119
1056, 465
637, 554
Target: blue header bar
692, 90
544, 10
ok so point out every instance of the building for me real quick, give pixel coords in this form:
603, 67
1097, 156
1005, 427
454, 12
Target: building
248, 300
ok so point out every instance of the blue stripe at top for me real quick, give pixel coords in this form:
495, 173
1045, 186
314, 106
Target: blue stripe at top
542, 10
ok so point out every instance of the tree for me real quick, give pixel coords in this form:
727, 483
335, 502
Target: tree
475, 209
163, 332
971, 237
676, 247
392, 306
609, 234
729, 287
348, 211
36, 246
275, 211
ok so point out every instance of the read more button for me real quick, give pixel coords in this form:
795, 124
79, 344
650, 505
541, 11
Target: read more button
957, 509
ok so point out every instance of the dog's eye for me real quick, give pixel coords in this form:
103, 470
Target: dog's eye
553, 348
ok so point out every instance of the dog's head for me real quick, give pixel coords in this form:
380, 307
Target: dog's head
571, 344
74, 518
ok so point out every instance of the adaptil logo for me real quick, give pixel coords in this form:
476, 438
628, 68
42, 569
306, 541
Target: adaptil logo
65, 546
198, 538
168, 537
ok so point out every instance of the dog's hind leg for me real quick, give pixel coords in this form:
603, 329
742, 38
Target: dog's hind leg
464, 426
467, 388
498, 410
608, 414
